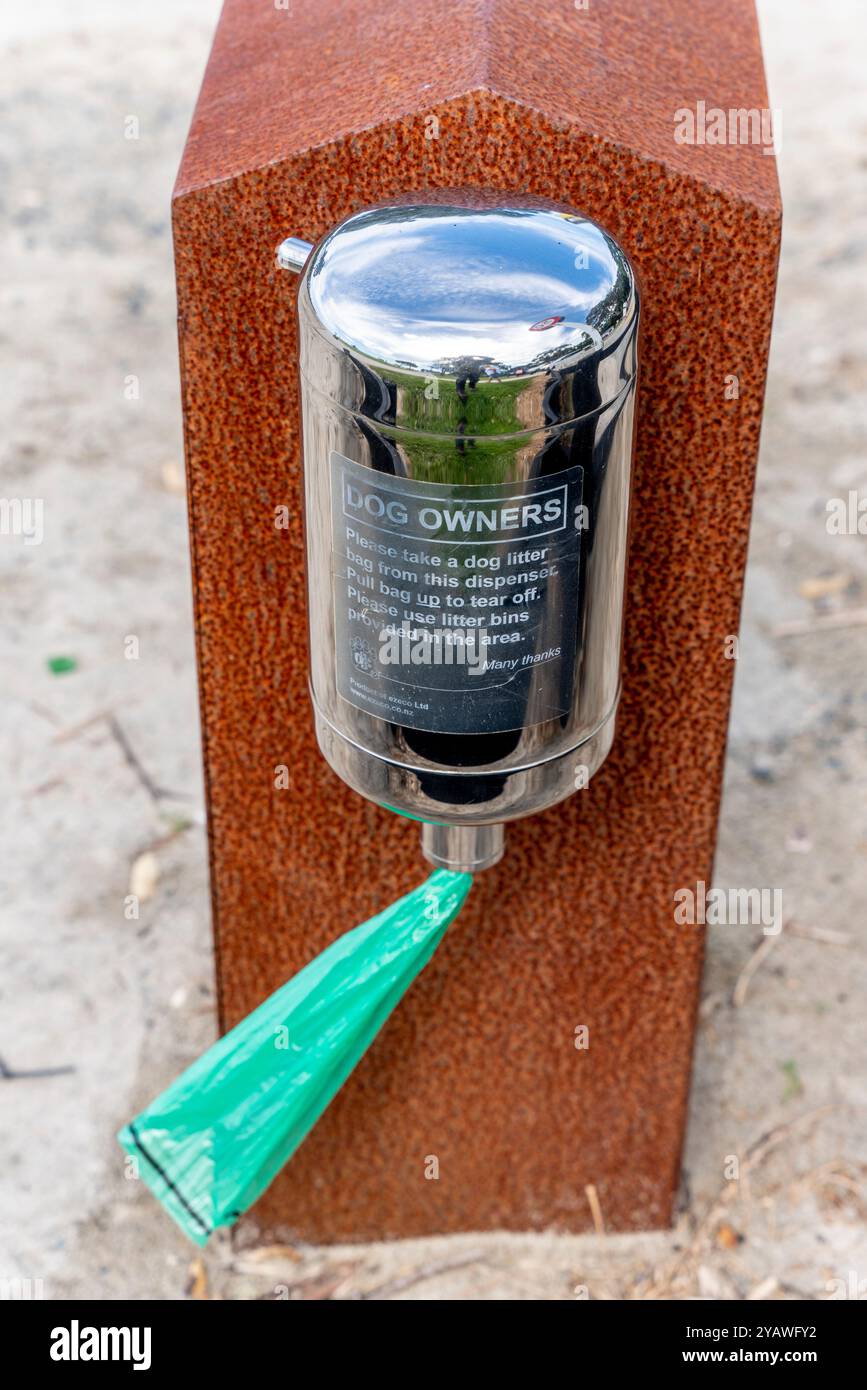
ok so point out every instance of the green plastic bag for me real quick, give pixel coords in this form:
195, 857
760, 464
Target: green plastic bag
211, 1143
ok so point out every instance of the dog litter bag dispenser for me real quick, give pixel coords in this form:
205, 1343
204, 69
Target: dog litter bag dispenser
468, 372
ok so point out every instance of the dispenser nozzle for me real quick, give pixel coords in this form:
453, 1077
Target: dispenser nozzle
465, 849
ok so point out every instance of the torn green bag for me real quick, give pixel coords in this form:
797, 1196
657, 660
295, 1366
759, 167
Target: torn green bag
214, 1140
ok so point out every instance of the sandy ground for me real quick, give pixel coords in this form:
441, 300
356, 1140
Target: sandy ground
124, 1004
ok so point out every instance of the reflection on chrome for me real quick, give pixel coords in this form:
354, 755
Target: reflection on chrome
406, 285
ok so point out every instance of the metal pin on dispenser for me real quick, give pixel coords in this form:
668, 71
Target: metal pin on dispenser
468, 374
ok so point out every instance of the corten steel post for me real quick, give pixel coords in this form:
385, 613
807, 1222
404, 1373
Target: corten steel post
304, 117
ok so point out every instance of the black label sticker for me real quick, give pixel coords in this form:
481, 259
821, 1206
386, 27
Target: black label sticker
455, 606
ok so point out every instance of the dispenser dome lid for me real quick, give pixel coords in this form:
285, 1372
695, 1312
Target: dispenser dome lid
479, 286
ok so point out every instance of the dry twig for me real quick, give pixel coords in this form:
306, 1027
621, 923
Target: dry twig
688, 1258
595, 1208
416, 1276
761, 953
821, 934
800, 627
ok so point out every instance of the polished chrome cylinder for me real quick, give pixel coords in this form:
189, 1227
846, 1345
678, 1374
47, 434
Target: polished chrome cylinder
468, 368
465, 849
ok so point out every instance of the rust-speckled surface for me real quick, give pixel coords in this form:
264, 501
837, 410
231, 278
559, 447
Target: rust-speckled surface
304, 117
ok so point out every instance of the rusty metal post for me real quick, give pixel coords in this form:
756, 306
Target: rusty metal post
307, 115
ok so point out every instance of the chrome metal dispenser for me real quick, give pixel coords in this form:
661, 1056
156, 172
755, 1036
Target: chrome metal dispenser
468, 366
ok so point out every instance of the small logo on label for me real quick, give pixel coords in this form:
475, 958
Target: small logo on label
362, 654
